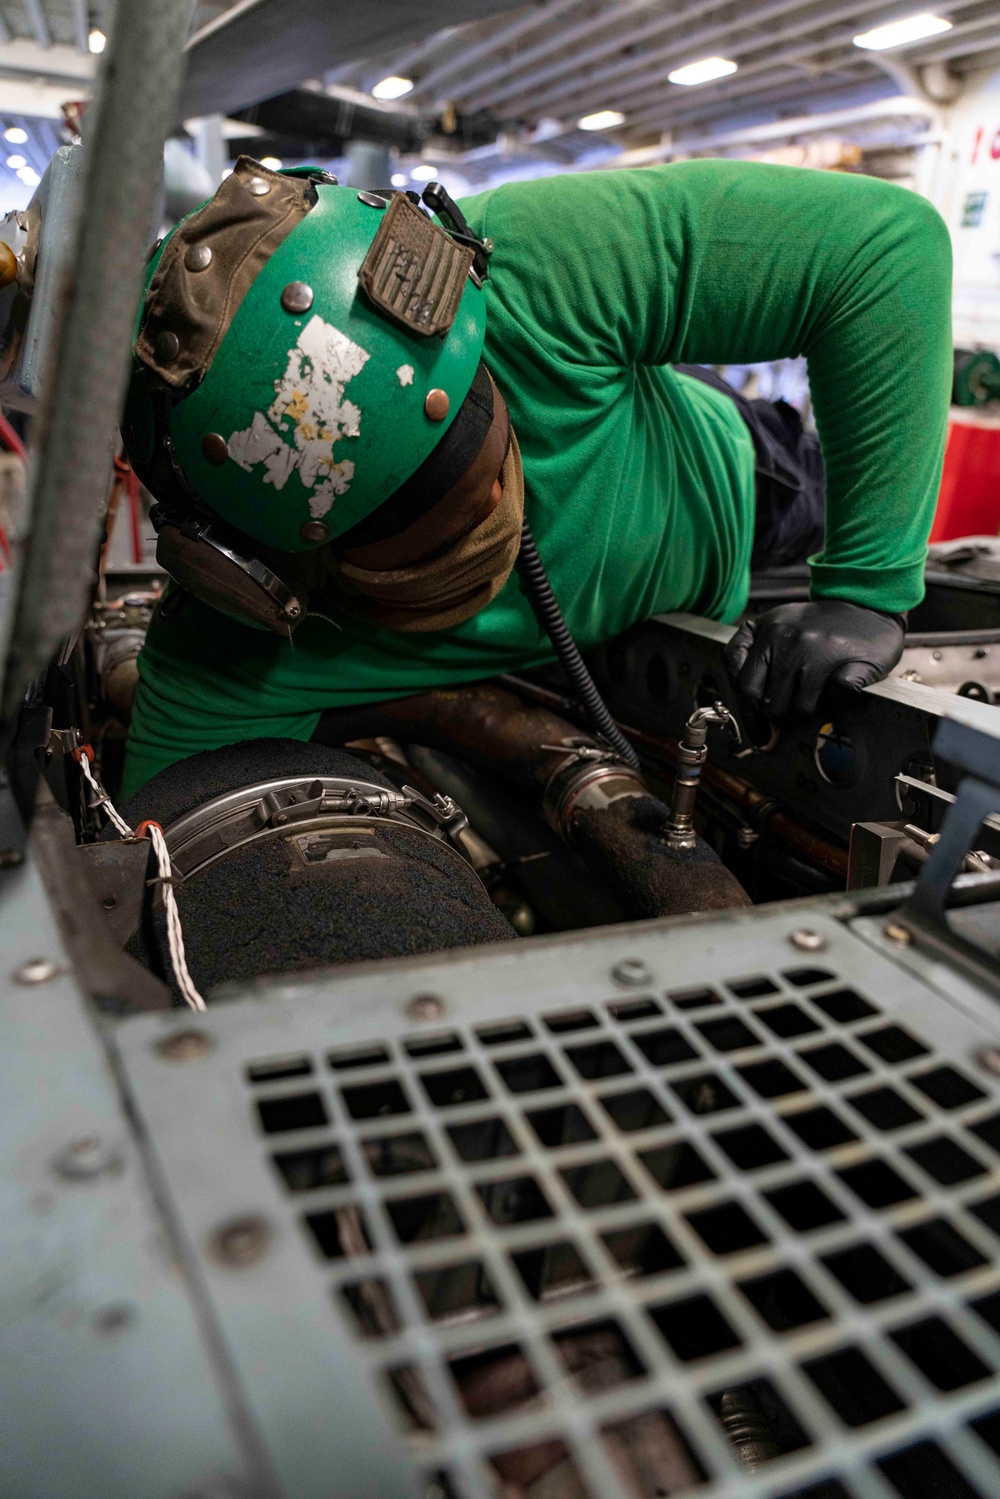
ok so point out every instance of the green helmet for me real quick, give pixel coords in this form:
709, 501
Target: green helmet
293, 364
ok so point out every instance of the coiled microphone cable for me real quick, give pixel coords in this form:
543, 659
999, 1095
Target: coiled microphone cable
546, 609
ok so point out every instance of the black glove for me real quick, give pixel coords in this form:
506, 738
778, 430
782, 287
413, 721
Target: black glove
781, 663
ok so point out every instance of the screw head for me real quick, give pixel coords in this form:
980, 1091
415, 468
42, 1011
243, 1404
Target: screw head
198, 258
437, 405
297, 297
426, 1007
10, 858
632, 972
897, 932
315, 531
988, 1058
86, 1156
257, 186
185, 1046
167, 346
806, 940
240, 1243
36, 971
214, 448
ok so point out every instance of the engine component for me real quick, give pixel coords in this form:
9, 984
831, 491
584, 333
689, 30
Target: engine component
289, 855
691, 755
602, 807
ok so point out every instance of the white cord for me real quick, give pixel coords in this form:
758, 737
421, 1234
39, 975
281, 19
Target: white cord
175, 937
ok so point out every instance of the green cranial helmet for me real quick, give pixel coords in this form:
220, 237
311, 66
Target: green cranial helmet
301, 350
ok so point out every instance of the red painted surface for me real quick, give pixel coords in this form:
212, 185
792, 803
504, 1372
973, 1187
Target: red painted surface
969, 500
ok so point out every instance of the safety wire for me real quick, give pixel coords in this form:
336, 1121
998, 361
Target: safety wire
84, 756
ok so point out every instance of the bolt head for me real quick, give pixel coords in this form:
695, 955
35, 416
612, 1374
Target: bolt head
806, 940
240, 1243
198, 258
437, 405
632, 973
426, 1007
315, 531
257, 186
167, 346
36, 971
185, 1046
214, 448
897, 932
297, 297
86, 1156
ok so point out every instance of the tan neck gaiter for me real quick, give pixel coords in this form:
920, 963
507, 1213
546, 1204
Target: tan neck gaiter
446, 589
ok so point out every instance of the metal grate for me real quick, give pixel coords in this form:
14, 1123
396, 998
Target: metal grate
577, 1246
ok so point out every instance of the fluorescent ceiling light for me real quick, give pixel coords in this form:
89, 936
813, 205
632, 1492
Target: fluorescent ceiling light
14, 162
898, 33
392, 88
399, 179
702, 72
29, 175
15, 135
274, 162
604, 119
96, 41
424, 172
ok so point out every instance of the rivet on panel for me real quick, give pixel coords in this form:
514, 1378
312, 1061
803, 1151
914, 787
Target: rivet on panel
86, 1156
240, 1243
315, 531
631, 972
806, 940
297, 296
372, 199
257, 186
426, 1007
214, 448
897, 932
185, 1046
437, 405
36, 971
198, 257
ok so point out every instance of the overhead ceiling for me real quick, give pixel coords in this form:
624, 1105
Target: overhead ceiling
562, 59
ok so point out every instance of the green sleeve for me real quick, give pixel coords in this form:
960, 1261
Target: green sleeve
732, 262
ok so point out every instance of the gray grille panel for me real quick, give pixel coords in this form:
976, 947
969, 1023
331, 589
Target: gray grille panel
738, 1159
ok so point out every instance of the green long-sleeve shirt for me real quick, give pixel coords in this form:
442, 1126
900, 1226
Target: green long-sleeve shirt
638, 480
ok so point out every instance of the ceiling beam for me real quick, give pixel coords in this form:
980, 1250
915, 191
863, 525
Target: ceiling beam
774, 93
254, 50
81, 24
39, 22
530, 20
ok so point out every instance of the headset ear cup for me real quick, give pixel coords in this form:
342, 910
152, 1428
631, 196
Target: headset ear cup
201, 569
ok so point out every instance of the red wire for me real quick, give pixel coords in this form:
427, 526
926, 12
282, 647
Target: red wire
10, 439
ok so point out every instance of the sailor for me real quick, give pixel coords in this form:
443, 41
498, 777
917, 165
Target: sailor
345, 410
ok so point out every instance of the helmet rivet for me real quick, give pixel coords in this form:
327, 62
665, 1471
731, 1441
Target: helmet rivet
437, 405
297, 297
315, 531
214, 448
372, 199
167, 346
258, 186
198, 258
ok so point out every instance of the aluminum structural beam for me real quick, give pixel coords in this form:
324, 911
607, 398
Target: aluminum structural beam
957, 43
791, 89
477, 88
634, 76
672, 111
255, 50
489, 45
39, 23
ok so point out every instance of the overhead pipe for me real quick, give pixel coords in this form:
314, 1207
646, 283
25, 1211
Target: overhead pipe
528, 21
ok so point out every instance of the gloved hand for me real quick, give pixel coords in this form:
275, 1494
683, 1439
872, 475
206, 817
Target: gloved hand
781, 663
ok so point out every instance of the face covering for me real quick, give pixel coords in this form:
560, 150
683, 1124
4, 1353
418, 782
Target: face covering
447, 588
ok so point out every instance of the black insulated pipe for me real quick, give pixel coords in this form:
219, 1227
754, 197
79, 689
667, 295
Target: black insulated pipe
549, 615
